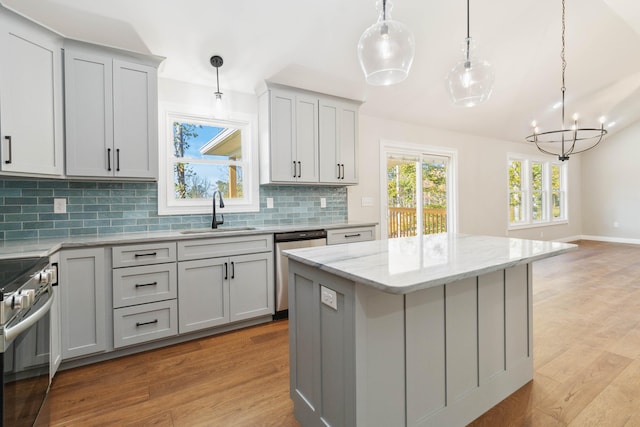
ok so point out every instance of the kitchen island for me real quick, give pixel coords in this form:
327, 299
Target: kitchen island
418, 331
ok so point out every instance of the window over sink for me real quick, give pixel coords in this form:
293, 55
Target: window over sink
202, 155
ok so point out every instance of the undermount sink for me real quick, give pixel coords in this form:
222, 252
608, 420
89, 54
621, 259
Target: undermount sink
215, 230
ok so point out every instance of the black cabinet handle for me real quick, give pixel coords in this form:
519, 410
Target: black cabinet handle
338, 164
346, 236
142, 285
138, 324
117, 159
342, 171
149, 254
8, 138
299, 169
226, 271
109, 159
295, 171
233, 270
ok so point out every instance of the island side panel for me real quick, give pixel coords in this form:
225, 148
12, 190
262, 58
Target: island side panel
321, 350
380, 358
465, 329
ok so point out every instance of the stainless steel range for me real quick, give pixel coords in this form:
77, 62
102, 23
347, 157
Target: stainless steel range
26, 295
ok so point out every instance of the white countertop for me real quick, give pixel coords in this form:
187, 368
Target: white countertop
45, 247
409, 264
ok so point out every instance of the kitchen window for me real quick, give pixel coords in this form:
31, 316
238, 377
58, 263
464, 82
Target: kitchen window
537, 191
203, 155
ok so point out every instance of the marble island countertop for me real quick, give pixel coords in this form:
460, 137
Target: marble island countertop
45, 247
403, 265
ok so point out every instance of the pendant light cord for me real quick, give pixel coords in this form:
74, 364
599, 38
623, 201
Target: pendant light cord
564, 67
384, 10
468, 40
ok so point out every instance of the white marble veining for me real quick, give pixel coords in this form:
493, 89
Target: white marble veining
409, 264
45, 247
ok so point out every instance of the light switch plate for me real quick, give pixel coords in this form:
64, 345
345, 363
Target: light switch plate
59, 205
323, 202
269, 202
329, 297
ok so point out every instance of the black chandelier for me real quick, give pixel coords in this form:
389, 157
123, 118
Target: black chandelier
564, 142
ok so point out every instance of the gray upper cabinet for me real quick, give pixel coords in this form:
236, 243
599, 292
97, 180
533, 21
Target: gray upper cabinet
338, 141
307, 138
31, 111
293, 153
111, 111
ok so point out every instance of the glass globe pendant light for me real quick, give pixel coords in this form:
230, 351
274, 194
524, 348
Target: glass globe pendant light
470, 82
386, 49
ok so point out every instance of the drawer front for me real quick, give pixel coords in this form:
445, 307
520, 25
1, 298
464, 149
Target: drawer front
144, 284
350, 235
152, 253
146, 322
224, 246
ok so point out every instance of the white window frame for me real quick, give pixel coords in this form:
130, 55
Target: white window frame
527, 192
410, 149
167, 203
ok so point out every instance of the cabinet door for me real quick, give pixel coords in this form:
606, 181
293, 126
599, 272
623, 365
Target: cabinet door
251, 286
283, 166
348, 138
203, 294
89, 114
56, 331
338, 142
330, 167
306, 146
30, 97
135, 119
81, 278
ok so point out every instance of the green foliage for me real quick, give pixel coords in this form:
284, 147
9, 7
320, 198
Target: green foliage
401, 185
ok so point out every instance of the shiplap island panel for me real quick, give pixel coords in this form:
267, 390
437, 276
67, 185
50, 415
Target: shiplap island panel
415, 331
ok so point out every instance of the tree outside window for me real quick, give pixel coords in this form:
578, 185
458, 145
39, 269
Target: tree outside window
206, 159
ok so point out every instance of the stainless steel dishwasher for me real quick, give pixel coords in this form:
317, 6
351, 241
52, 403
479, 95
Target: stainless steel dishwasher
283, 242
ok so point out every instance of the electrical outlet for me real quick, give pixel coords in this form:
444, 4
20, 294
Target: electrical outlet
59, 205
329, 297
323, 202
269, 202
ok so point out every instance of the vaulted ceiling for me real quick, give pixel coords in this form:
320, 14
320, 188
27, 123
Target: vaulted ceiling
312, 44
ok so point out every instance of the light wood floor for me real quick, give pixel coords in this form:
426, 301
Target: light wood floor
586, 356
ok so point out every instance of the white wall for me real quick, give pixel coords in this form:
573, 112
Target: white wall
482, 174
611, 184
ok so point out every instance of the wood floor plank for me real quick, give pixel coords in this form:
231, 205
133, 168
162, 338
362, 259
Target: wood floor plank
617, 403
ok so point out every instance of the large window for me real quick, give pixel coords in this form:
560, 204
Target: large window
204, 155
537, 192
418, 188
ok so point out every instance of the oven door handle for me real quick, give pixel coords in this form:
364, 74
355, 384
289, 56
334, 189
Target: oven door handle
11, 333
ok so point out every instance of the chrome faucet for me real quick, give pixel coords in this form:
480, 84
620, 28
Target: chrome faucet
214, 222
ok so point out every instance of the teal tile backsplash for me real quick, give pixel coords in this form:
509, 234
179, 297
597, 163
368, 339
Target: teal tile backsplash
94, 208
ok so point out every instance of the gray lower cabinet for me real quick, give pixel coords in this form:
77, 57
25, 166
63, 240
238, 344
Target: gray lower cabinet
145, 287
217, 291
224, 280
337, 236
83, 302
55, 357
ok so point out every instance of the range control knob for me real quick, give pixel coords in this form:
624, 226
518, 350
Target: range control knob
18, 301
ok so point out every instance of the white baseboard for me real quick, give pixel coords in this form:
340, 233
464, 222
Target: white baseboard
569, 239
610, 239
